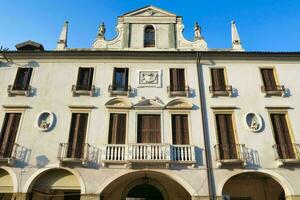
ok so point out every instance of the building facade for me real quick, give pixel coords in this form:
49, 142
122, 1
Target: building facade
149, 115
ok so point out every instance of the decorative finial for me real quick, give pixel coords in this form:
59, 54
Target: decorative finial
101, 30
62, 41
197, 30
236, 41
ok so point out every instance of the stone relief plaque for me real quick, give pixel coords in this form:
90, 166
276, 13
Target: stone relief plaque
149, 78
45, 121
253, 122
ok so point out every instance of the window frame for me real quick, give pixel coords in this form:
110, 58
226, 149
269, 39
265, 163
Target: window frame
155, 36
107, 117
177, 112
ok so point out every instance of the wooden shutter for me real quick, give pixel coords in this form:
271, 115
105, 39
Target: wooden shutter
117, 128
177, 79
149, 129
227, 146
269, 79
120, 79
282, 136
22, 79
77, 135
218, 79
180, 131
85, 78
8, 134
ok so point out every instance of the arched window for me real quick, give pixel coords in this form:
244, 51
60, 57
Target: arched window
149, 36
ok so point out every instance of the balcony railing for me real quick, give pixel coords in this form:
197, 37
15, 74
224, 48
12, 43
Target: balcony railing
114, 90
68, 153
13, 90
277, 90
135, 153
287, 152
9, 153
83, 90
178, 91
220, 91
230, 153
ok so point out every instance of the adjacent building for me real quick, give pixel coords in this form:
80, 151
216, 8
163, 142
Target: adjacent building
149, 115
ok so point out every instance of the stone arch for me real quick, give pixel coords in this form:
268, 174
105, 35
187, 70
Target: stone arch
267, 173
118, 103
39, 173
168, 175
12, 176
179, 104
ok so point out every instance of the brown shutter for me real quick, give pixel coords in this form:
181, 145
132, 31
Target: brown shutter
149, 130
180, 129
177, 79
181, 79
84, 78
227, 146
77, 135
8, 133
117, 128
126, 70
269, 79
90, 79
282, 136
218, 79
22, 79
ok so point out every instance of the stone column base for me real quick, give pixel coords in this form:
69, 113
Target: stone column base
19, 196
296, 197
89, 197
200, 198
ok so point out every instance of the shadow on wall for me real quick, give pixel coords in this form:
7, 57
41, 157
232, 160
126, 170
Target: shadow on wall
252, 157
22, 156
42, 161
93, 158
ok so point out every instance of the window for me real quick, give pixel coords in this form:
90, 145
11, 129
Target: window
22, 79
177, 79
227, 146
149, 36
77, 135
219, 87
117, 128
85, 78
149, 129
270, 86
120, 79
180, 129
9, 133
284, 145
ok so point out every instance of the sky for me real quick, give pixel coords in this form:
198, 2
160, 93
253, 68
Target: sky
263, 25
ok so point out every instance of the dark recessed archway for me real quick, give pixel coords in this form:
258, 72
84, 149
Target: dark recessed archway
146, 192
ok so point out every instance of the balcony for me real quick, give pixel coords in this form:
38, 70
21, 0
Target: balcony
9, 154
149, 153
285, 154
116, 91
67, 153
83, 90
220, 91
277, 90
178, 91
230, 154
13, 90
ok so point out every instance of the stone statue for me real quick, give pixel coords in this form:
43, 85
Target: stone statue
197, 30
101, 30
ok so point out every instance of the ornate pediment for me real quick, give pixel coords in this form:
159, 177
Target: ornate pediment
149, 11
179, 104
119, 103
149, 104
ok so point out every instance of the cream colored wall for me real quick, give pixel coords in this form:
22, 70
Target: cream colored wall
53, 79
244, 76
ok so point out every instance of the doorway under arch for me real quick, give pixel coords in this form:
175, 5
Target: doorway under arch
145, 192
253, 185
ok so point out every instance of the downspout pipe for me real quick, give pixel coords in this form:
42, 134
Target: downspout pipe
209, 168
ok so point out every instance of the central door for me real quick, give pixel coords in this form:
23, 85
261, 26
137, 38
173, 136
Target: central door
144, 192
149, 130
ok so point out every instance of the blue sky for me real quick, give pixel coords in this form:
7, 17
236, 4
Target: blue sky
264, 25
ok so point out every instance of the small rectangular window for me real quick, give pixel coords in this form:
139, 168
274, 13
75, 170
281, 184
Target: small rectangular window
218, 79
9, 133
77, 135
85, 78
269, 79
177, 79
22, 79
120, 79
180, 129
117, 128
